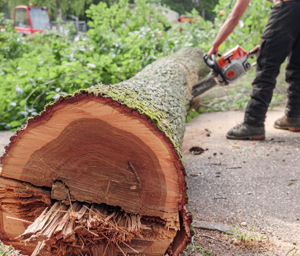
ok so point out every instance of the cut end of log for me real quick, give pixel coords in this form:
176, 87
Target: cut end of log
94, 151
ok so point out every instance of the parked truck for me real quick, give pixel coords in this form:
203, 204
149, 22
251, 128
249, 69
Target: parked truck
31, 19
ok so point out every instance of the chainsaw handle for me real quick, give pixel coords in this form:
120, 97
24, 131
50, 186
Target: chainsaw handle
228, 57
213, 64
252, 54
210, 62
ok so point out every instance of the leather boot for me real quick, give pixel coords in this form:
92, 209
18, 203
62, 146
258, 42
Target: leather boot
246, 132
288, 123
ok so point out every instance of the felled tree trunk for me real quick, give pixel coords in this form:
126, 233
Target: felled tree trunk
100, 171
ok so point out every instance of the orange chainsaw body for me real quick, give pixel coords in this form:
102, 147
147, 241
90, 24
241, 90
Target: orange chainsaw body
236, 53
233, 64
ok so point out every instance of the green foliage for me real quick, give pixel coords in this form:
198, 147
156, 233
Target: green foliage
131, 40
198, 33
192, 114
12, 44
50, 67
38, 69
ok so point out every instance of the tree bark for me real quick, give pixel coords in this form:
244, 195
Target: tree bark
58, 11
117, 147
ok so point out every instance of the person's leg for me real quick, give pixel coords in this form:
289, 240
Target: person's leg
293, 78
276, 44
291, 119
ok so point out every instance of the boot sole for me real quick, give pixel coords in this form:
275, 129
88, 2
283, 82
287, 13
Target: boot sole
292, 129
254, 137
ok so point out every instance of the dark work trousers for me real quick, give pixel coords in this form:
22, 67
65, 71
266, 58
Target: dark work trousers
280, 39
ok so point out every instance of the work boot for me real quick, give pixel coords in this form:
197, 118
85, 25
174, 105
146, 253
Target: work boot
246, 132
288, 123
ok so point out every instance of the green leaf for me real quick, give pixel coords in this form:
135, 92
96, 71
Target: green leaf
14, 124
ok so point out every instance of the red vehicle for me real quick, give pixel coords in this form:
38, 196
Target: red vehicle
30, 19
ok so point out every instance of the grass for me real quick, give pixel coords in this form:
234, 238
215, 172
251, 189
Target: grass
246, 238
193, 249
196, 249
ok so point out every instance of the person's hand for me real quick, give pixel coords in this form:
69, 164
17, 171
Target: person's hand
255, 49
213, 50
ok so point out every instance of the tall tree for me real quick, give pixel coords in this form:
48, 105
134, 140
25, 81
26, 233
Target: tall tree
4, 7
180, 6
207, 7
202, 6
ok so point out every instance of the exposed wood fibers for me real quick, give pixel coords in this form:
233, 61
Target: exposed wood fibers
72, 229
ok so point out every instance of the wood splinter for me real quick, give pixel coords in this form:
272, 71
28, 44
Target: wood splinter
70, 229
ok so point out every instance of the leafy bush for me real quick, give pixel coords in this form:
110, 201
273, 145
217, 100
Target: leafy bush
51, 67
37, 69
12, 44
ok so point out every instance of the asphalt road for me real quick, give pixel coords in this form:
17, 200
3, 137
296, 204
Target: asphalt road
247, 184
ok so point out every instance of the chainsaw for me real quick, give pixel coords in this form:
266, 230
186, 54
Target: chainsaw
225, 70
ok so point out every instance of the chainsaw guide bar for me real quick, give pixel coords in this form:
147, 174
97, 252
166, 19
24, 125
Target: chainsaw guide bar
206, 84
